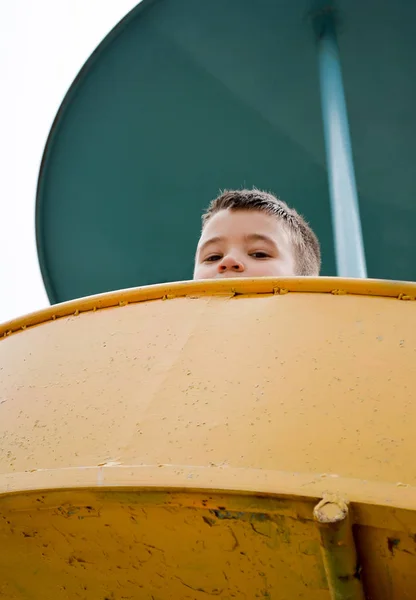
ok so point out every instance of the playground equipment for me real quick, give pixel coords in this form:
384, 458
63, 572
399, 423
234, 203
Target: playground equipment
238, 438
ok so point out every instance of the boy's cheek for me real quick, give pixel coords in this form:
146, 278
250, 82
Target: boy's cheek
200, 272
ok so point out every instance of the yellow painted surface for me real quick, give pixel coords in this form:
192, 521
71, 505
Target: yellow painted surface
195, 427
126, 545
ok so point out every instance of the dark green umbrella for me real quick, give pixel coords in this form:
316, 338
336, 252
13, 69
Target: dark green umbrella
186, 97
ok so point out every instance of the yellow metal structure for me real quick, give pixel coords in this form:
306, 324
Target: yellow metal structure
232, 439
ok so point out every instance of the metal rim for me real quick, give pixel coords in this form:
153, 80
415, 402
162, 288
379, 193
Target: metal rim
184, 479
231, 287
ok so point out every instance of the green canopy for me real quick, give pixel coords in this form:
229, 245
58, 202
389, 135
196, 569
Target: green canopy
187, 97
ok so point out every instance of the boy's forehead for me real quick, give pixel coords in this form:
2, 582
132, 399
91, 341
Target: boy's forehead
229, 222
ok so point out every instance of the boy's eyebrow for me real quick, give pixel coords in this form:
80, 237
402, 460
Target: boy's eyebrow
259, 237
213, 240
251, 237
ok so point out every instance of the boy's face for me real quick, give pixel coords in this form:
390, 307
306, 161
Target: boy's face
244, 243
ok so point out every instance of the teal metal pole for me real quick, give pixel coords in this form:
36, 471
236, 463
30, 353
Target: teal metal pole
349, 246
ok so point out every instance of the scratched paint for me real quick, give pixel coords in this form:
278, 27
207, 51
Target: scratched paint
108, 544
115, 545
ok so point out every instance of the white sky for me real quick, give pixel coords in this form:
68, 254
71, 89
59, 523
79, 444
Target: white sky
43, 44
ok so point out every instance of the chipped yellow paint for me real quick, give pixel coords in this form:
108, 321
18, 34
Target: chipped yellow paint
90, 545
173, 441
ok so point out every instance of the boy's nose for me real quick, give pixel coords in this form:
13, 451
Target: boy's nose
229, 263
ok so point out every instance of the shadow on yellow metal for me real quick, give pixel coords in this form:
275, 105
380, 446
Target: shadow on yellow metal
177, 441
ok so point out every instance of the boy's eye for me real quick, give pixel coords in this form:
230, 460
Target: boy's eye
260, 255
213, 258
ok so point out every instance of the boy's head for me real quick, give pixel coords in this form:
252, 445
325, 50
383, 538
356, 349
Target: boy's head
250, 233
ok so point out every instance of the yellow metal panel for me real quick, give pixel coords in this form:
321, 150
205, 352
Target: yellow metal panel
127, 545
302, 382
262, 391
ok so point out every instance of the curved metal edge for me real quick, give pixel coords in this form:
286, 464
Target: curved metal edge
39, 230
376, 504
214, 287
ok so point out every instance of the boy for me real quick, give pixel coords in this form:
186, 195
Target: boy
250, 233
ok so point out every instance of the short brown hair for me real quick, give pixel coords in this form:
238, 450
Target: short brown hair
306, 245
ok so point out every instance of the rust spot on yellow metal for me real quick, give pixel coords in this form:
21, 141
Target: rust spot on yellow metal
392, 544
